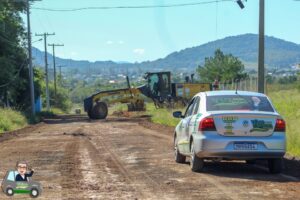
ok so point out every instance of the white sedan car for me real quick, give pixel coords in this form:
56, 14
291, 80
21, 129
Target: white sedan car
230, 125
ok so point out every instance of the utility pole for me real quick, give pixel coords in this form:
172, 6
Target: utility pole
31, 78
45, 35
261, 48
261, 45
60, 66
53, 48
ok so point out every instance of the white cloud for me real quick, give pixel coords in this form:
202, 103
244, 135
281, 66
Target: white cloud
121, 42
73, 53
139, 51
109, 42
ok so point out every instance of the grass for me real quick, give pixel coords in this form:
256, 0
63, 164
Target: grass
159, 116
162, 116
46, 114
287, 103
57, 111
11, 120
76, 106
117, 108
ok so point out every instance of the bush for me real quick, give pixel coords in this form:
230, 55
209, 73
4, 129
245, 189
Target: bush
287, 80
61, 102
11, 120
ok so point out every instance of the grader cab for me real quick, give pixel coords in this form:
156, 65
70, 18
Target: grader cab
158, 87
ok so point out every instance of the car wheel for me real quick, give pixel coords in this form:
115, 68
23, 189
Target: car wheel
9, 191
275, 165
196, 163
34, 192
179, 158
251, 162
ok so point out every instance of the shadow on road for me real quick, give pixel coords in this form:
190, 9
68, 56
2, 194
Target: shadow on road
259, 171
62, 119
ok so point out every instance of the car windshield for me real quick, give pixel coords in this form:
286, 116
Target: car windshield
11, 176
238, 102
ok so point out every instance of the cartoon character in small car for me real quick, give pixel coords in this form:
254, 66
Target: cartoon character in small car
19, 182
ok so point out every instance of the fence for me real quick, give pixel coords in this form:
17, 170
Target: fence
249, 84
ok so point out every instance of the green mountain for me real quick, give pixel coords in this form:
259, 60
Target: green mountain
278, 53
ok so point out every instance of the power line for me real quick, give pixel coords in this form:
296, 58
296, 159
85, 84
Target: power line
131, 7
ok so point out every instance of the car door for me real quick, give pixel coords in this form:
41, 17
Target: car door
196, 114
10, 178
183, 140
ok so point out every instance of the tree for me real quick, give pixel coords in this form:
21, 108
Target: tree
14, 80
221, 67
62, 98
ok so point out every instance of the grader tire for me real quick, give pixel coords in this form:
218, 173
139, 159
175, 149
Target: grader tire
130, 107
99, 111
140, 106
137, 106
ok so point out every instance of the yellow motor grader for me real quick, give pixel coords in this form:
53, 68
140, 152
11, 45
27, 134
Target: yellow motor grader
158, 87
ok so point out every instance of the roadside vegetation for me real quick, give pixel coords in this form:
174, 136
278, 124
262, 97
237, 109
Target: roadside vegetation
14, 79
162, 116
287, 103
223, 67
11, 120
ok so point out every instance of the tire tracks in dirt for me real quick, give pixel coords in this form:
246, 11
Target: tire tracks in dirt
132, 177
69, 168
227, 191
99, 147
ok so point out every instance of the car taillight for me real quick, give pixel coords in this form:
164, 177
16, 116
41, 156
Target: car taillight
207, 124
280, 125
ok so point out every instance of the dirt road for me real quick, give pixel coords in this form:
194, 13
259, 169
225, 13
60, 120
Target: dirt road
125, 158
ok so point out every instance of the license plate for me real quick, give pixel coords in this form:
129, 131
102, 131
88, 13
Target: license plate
245, 146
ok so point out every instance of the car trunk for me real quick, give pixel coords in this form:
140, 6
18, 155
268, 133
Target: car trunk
245, 123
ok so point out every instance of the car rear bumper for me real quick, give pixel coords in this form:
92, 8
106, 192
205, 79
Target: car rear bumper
213, 145
240, 155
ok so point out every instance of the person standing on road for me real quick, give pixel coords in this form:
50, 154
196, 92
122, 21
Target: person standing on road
22, 169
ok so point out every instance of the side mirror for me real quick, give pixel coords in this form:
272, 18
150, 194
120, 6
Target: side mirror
177, 114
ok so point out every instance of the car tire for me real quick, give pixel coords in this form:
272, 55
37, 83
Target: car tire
34, 193
251, 162
179, 158
9, 191
275, 165
196, 163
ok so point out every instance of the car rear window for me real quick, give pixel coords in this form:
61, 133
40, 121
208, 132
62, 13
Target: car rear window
238, 102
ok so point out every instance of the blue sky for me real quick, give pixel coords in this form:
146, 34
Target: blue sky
137, 35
